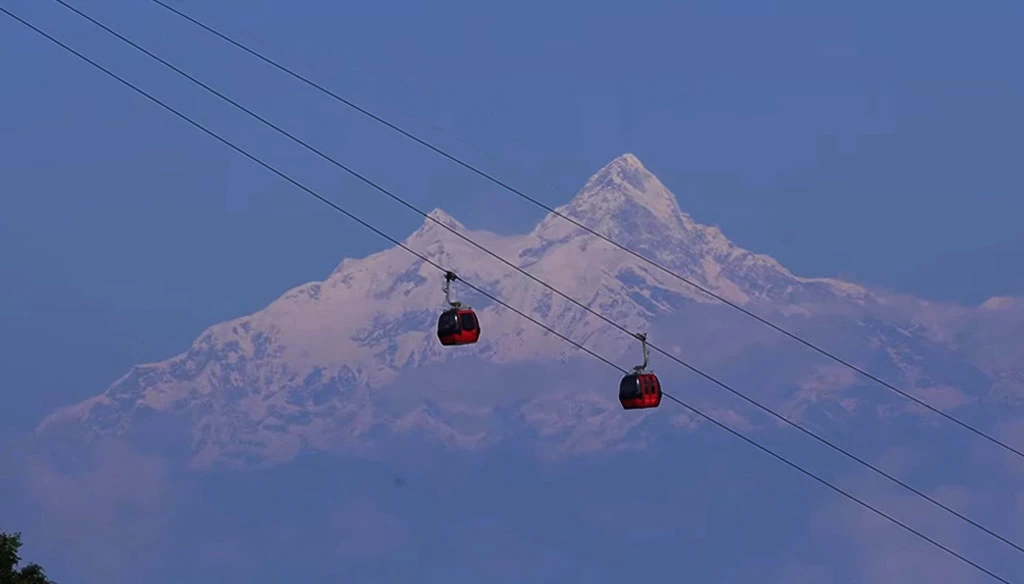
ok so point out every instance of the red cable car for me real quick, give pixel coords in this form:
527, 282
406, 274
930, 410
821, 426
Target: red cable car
458, 325
640, 389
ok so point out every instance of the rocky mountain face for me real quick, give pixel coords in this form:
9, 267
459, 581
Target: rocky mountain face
353, 363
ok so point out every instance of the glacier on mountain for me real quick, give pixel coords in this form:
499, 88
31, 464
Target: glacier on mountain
317, 368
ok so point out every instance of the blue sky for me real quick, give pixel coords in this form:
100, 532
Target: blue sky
876, 142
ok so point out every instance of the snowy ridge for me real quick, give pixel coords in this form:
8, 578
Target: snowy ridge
313, 369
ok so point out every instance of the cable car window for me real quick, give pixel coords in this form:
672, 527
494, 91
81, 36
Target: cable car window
629, 386
448, 323
468, 321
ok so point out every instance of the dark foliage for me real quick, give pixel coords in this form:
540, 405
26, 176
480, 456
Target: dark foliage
10, 543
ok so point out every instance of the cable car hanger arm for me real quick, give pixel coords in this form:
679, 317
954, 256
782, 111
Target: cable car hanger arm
449, 277
642, 337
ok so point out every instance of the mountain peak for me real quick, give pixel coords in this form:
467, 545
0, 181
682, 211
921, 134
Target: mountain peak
627, 162
624, 169
432, 225
441, 216
621, 194
624, 182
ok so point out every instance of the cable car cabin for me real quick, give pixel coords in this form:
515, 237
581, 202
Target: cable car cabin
640, 390
458, 326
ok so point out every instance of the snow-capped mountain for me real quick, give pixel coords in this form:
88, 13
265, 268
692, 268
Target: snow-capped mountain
353, 361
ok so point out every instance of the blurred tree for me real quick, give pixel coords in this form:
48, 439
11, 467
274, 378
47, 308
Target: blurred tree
9, 559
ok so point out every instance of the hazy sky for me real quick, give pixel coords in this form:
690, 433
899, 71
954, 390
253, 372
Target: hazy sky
878, 141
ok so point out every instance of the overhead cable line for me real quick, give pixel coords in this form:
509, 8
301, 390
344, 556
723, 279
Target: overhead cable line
423, 258
490, 177
523, 271
309, 191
